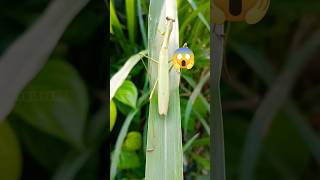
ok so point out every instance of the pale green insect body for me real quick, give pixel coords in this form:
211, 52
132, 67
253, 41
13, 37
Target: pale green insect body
163, 71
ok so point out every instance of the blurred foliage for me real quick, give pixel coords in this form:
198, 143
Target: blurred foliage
133, 141
113, 114
59, 121
10, 153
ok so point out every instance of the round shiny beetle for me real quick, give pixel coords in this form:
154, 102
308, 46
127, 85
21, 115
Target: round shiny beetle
183, 58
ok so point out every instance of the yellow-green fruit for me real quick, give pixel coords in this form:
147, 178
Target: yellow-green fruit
133, 141
10, 154
113, 114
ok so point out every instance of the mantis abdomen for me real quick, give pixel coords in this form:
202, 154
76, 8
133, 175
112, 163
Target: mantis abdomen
163, 72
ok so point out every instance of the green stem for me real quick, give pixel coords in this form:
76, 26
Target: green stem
218, 172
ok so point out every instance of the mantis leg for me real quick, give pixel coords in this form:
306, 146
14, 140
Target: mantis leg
150, 58
152, 91
161, 33
150, 149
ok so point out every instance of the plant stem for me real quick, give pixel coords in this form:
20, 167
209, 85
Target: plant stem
217, 140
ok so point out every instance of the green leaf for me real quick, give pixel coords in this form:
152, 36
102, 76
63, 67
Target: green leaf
48, 156
113, 114
199, 106
118, 78
127, 94
56, 102
190, 142
196, 92
164, 158
141, 24
200, 15
10, 153
123, 132
131, 19
116, 28
204, 162
128, 160
133, 141
27, 55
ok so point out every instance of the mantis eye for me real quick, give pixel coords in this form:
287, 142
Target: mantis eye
187, 56
179, 56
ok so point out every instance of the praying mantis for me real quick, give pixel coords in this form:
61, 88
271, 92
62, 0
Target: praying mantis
182, 58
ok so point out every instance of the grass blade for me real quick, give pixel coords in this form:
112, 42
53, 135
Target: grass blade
116, 28
193, 97
193, 15
200, 15
192, 83
117, 79
203, 121
189, 143
131, 19
217, 142
271, 104
121, 137
141, 24
27, 55
165, 161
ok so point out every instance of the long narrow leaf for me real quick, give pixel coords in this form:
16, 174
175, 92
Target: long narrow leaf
192, 83
193, 97
203, 121
200, 15
164, 157
131, 19
117, 79
141, 24
120, 139
27, 55
218, 170
116, 27
189, 143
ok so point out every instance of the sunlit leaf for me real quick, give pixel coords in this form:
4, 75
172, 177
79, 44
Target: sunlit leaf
127, 94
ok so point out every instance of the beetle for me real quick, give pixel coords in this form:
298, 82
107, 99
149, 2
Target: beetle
251, 11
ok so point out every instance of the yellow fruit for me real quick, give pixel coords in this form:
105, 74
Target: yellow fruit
10, 154
113, 114
133, 141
